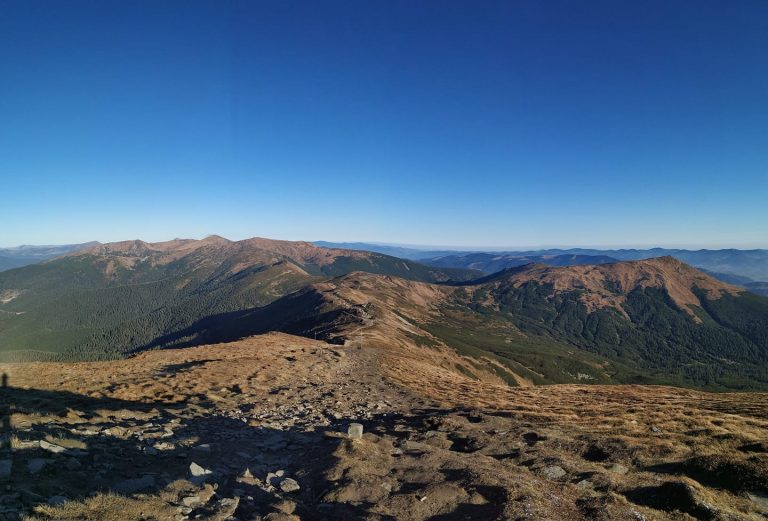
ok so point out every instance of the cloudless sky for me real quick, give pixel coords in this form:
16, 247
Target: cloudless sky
519, 123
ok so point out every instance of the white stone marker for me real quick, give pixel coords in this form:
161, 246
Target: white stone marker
355, 431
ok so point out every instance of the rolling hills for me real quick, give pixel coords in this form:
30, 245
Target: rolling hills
751, 264
651, 321
726, 264
112, 299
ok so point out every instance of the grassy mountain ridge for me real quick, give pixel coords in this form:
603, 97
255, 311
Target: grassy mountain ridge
752, 264
656, 321
650, 321
120, 297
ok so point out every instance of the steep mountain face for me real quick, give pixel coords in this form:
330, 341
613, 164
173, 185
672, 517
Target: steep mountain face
121, 297
660, 319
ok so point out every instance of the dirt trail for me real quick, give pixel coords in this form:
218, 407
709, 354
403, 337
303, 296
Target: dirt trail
263, 420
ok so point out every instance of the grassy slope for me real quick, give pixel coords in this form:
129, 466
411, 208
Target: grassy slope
70, 309
558, 338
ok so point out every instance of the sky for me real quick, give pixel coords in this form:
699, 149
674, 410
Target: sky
501, 124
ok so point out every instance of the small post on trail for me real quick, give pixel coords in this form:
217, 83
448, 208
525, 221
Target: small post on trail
355, 431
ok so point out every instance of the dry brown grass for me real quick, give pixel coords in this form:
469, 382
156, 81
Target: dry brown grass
106, 507
469, 447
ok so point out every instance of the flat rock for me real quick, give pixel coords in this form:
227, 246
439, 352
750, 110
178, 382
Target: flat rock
289, 485
52, 447
553, 472
191, 501
198, 471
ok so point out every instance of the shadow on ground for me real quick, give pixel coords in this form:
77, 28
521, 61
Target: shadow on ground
62, 446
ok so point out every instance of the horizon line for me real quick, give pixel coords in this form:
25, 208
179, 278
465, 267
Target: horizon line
428, 247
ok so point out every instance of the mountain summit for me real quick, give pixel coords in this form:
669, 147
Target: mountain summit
605, 285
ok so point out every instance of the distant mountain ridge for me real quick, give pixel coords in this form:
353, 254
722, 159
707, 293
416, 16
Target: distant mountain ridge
25, 255
110, 299
752, 264
656, 320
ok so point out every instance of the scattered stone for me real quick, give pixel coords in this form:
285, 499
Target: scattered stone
205, 447
129, 486
191, 501
617, 468
655, 429
355, 431
289, 485
273, 478
52, 447
585, 484
227, 506
286, 506
553, 472
198, 471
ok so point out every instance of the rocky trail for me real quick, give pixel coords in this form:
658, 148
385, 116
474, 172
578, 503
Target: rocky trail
256, 430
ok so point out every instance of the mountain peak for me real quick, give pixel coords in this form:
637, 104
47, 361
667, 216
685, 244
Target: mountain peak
607, 285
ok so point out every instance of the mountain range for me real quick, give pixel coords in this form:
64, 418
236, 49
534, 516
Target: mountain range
24, 255
746, 268
650, 321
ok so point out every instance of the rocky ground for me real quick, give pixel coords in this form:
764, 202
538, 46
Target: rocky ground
256, 430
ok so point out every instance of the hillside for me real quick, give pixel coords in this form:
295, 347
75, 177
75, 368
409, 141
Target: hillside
649, 321
117, 298
255, 430
654, 321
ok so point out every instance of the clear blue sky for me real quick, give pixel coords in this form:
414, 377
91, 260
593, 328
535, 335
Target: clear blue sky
516, 123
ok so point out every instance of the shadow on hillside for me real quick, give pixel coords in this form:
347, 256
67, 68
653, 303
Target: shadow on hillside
299, 313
